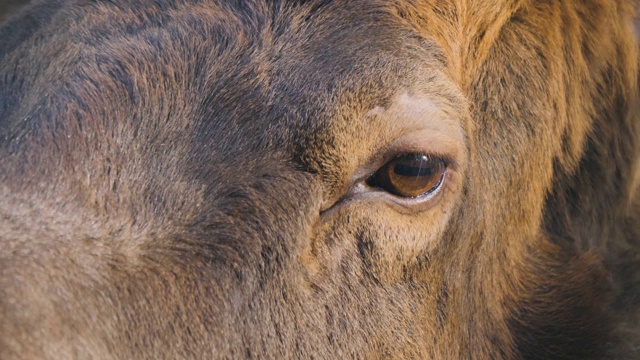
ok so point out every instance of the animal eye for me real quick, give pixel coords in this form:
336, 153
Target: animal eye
410, 175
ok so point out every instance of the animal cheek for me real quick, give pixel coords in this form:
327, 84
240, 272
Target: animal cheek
372, 240
372, 234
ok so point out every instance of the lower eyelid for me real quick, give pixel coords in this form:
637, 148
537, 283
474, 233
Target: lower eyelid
401, 204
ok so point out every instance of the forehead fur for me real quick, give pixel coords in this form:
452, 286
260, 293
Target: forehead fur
196, 63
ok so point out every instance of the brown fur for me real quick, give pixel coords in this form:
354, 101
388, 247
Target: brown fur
176, 180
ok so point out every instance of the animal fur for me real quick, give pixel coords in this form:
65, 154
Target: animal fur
175, 180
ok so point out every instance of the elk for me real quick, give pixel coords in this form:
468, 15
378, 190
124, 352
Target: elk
450, 179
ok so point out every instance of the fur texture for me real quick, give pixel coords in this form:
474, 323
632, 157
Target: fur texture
184, 179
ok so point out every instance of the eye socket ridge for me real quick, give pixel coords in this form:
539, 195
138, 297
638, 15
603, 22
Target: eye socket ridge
410, 175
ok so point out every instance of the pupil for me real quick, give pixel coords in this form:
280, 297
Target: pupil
412, 171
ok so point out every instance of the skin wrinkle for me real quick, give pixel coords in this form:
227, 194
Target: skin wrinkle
187, 179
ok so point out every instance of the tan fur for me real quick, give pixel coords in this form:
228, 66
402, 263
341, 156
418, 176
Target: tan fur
184, 179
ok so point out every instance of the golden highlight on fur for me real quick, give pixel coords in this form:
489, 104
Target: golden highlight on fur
192, 179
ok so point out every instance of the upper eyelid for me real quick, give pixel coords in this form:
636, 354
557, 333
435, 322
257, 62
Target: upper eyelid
445, 158
385, 157
374, 175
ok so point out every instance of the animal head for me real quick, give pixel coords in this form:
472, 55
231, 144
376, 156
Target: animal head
334, 179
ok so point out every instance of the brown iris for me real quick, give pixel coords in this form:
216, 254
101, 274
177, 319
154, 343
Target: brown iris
410, 175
